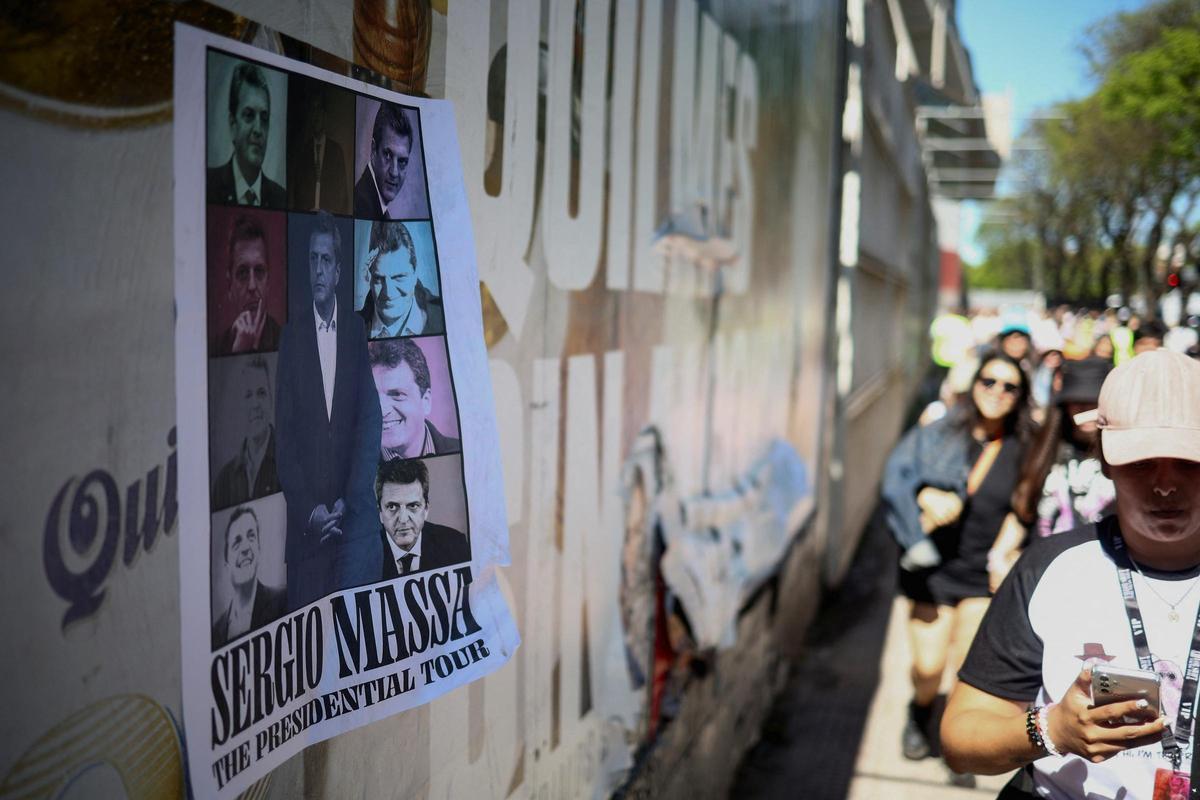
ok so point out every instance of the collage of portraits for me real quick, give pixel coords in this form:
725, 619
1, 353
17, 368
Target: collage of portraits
334, 452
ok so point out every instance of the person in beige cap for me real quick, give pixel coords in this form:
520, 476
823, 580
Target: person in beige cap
1121, 592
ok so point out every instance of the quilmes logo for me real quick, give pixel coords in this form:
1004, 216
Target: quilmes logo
84, 525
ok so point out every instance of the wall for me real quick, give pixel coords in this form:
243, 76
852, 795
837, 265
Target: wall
888, 261
653, 197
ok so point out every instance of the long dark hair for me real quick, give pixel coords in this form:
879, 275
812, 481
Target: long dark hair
1018, 422
1081, 384
1035, 467
1041, 457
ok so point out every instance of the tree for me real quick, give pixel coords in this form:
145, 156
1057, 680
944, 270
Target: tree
1120, 171
1157, 88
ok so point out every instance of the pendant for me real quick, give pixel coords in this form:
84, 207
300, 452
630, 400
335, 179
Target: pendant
1172, 616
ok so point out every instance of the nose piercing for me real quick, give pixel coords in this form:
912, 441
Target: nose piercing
1161, 493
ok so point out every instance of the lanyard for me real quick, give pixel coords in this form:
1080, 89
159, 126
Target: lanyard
1183, 723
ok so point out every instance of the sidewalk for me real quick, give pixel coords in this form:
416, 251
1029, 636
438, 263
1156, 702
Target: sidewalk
835, 729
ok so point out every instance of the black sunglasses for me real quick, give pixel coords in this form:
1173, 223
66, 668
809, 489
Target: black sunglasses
1009, 388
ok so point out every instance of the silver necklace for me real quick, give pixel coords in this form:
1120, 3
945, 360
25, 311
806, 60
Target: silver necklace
1172, 615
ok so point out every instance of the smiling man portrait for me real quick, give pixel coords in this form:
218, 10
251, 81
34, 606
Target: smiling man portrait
403, 382
398, 303
254, 603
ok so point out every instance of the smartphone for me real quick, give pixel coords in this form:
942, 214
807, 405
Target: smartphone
1117, 684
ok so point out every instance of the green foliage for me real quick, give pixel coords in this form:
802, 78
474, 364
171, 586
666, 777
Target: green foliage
1007, 266
1120, 172
1161, 86
1130, 32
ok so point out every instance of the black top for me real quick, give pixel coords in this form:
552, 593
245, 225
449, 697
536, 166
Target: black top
964, 547
1060, 608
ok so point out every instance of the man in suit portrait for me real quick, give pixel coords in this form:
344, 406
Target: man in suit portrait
317, 174
250, 474
398, 304
254, 604
240, 180
328, 420
248, 276
381, 181
406, 397
410, 542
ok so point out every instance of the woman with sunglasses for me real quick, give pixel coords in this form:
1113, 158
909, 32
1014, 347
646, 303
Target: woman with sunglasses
947, 491
1061, 485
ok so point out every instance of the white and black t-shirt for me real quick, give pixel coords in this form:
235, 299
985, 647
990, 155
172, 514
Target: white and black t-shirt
1060, 608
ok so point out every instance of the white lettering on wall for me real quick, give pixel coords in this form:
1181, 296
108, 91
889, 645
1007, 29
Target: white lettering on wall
572, 242
620, 154
648, 266
503, 223
563, 462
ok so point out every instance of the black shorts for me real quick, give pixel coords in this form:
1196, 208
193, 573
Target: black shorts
942, 587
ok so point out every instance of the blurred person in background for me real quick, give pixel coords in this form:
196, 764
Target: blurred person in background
1183, 336
1085, 326
1046, 378
951, 341
1062, 485
985, 324
946, 493
955, 386
1065, 318
1015, 342
1121, 336
1104, 348
950, 338
1148, 336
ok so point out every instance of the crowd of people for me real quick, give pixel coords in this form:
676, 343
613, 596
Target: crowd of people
1055, 476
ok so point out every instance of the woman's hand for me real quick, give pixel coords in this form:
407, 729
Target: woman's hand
939, 508
1005, 550
999, 564
1099, 732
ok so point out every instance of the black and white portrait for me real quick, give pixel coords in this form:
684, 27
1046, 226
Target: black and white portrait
247, 142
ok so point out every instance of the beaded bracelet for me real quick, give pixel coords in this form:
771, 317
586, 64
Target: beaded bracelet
1043, 726
1031, 727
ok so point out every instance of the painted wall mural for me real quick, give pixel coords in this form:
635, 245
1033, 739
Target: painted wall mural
650, 188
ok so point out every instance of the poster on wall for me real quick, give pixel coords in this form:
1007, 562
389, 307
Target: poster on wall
341, 505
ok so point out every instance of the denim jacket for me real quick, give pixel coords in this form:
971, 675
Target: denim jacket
934, 455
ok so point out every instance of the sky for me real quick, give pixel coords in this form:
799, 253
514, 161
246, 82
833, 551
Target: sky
1032, 47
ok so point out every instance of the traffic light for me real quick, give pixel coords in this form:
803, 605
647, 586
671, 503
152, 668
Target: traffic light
1173, 280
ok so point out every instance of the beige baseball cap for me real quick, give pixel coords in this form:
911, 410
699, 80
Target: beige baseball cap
1149, 408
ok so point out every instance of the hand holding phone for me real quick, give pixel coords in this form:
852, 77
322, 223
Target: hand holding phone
1099, 730
1118, 684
